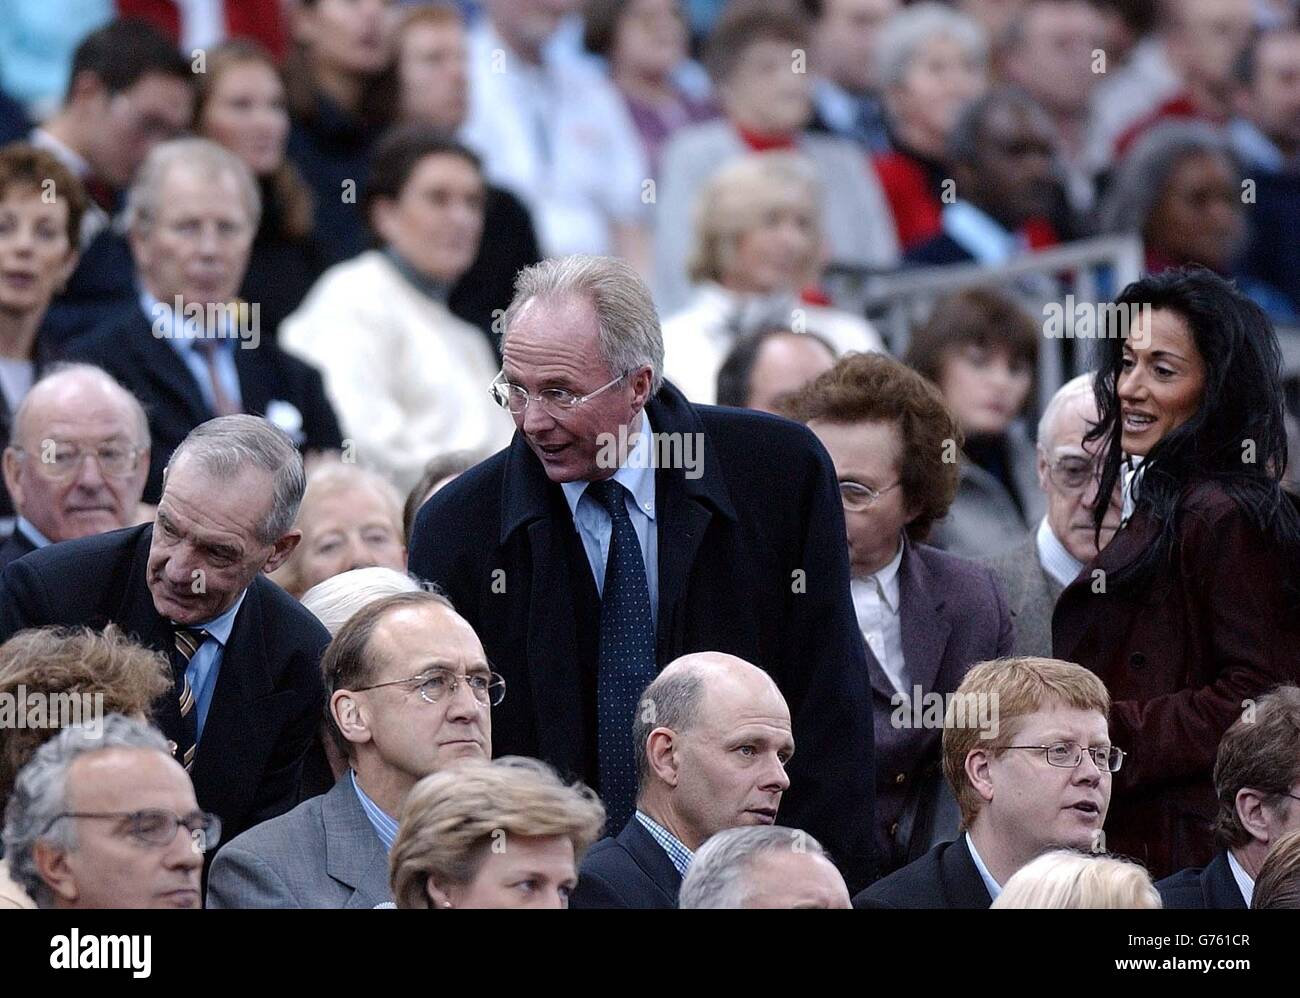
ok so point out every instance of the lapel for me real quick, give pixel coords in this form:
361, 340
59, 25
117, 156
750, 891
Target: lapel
354, 856
925, 627
962, 885
1071, 627
651, 859
1219, 886
161, 365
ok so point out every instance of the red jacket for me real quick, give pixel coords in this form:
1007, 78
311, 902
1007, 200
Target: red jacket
255, 19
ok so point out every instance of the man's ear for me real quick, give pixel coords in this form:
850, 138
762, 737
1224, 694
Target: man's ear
52, 864
13, 481
281, 551
659, 747
977, 771
641, 380
1250, 812
1041, 466
349, 718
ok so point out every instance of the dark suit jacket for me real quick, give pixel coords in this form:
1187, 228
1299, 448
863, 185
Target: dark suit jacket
629, 871
322, 854
952, 616
945, 877
266, 706
15, 547
1211, 887
1179, 659
154, 372
940, 250
752, 561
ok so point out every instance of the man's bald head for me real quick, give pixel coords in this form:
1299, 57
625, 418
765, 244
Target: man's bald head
78, 454
712, 736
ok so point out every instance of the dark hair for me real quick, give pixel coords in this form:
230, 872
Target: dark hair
742, 26
872, 387
347, 665
1258, 751
1243, 400
123, 51
22, 165
982, 316
966, 140
399, 151
734, 385
438, 468
600, 20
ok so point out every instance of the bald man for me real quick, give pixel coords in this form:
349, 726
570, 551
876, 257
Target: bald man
712, 736
76, 461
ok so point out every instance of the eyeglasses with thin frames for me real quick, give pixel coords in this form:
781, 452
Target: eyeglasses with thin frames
1068, 755
155, 826
558, 402
64, 460
488, 688
857, 497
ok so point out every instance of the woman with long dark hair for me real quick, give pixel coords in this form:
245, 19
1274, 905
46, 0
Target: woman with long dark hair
1193, 609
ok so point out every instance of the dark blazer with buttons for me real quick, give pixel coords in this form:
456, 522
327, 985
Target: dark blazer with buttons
945, 877
266, 706
752, 561
1211, 887
953, 616
1179, 660
628, 871
151, 369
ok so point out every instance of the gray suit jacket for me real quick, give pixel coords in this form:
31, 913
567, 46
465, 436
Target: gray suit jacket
322, 854
1031, 595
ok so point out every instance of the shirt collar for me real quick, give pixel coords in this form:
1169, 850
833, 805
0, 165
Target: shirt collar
677, 852
887, 577
179, 330
1053, 556
219, 627
993, 887
980, 234
384, 825
1245, 883
637, 473
28, 530
75, 162
837, 106
1254, 146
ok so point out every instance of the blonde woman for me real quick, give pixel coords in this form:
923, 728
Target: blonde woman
757, 258
350, 517
1063, 878
502, 834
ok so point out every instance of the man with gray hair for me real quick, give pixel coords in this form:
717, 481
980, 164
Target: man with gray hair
74, 412
94, 817
763, 868
247, 694
625, 526
1034, 572
712, 736
187, 348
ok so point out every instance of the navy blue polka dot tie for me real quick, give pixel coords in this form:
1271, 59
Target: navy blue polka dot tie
627, 655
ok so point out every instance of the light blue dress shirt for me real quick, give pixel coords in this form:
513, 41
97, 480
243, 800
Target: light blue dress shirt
993, 887
28, 530
206, 664
385, 827
181, 333
595, 527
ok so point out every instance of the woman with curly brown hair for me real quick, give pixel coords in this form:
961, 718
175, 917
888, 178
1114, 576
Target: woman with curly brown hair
926, 615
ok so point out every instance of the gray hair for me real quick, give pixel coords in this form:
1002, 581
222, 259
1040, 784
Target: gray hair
1146, 167
966, 140
717, 874
336, 599
672, 700
205, 156
40, 793
910, 28
66, 371
630, 337
1072, 389
224, 446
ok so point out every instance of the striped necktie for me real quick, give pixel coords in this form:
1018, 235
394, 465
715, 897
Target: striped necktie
188, 641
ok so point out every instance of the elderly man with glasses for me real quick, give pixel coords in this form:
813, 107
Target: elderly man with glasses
107, 819
76, 461
410, 694
1033, 573
624, 527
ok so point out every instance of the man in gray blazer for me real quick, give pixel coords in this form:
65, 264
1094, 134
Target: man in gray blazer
410, 693
1035, 571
